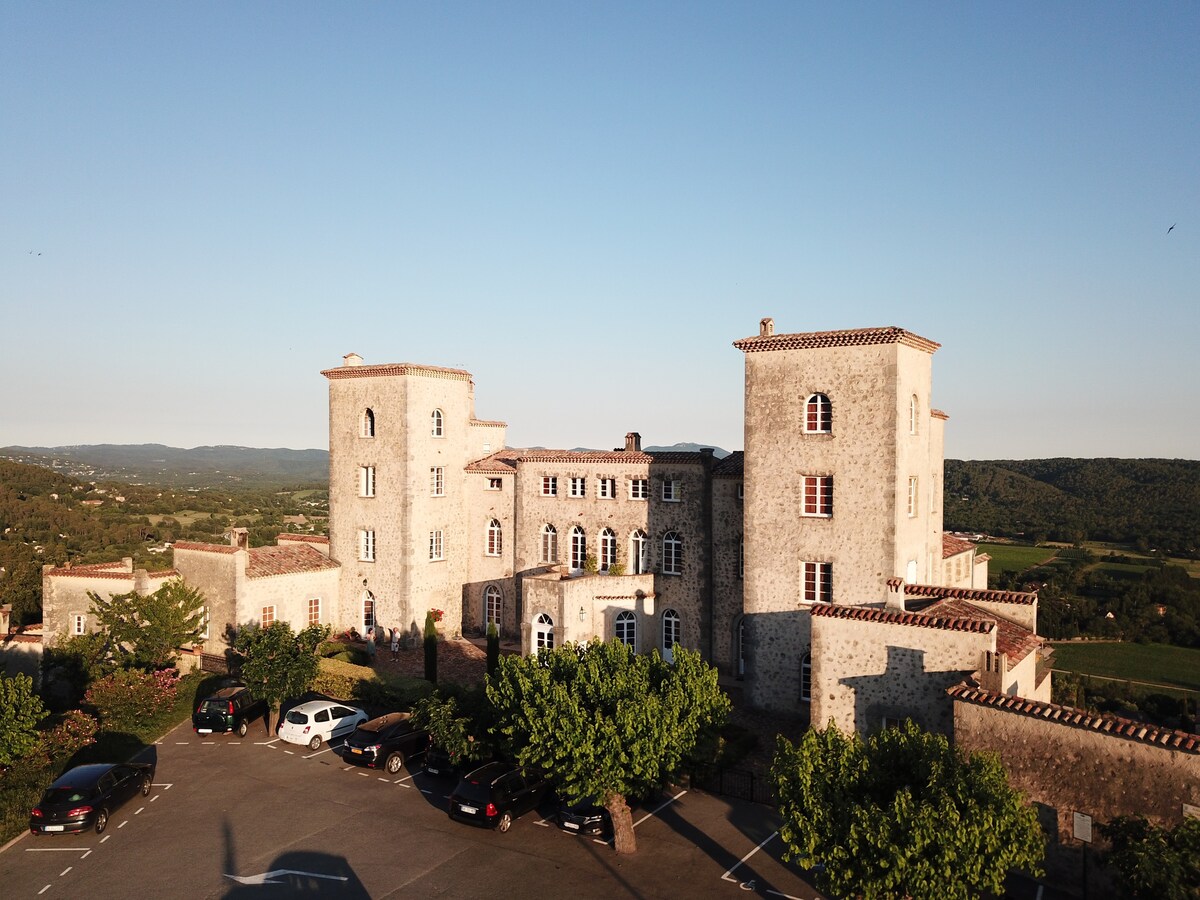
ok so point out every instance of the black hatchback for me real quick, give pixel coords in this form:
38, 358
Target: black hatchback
86, 796
495, 794
229, 709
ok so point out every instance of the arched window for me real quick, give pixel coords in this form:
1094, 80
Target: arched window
912, 415
608, 549
672, 559
578, 549
494, 538
368, 611
436, 423
806, 678
670, 634
549, 544
639, 553
818, 415
368, 423
493, 604
627, 629
543, 633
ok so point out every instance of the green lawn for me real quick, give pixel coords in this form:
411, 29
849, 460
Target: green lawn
1155, 663
1015, 558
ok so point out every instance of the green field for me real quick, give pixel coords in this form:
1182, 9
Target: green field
1014, 558
1154, 663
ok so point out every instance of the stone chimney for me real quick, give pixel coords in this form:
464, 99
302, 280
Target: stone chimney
240, 538
633, 442
351, 359
766, 327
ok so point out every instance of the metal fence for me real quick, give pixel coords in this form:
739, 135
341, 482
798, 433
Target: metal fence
740, 783
214, 663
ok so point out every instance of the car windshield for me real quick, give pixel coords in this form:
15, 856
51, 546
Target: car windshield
297, 718
64, 795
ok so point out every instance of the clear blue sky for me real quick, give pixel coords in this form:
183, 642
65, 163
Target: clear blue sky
203, 205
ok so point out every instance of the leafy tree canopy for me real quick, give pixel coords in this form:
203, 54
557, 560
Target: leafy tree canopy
1154, 862
458, 725
605, 722
20, 711
901, 814
151, 627
278, 662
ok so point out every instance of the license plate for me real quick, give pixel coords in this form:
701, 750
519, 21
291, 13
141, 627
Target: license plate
54, 827
355, 750
203, 731
433, 771
469, 810
570, 826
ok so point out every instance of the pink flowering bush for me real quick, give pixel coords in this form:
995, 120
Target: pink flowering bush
126, 698
76, 731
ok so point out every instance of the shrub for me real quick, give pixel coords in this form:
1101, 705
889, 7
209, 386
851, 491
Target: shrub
126, 698
343, 680
20, 711
74, 731
338, 678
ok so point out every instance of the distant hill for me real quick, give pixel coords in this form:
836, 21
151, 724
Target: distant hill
1148, 503
174, 467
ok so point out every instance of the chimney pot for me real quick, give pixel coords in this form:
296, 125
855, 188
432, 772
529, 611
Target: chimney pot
766, 327
633, 442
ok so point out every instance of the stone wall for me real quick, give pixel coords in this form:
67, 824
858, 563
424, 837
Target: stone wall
727, 573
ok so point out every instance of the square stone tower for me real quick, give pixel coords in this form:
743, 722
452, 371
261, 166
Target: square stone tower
843, 475
400, 436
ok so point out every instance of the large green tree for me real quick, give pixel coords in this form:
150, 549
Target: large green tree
606, 723
150, 628
276, 661
20, 711
901, 814
1155, 862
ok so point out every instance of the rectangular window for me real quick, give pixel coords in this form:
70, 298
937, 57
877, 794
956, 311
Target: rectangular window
314, 611
366, 481
818, 495
495, 484
912, 496
80, 625
639, 489
670, 490
549, 486
578, 487
818, 582
204, 623
437, 481
268, 616
436, 547
366, 545
606, 488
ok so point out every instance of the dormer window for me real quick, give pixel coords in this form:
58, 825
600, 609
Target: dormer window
818, 415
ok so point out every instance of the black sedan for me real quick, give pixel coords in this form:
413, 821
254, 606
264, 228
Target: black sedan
86, 796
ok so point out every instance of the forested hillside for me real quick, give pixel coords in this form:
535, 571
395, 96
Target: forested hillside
1146, 503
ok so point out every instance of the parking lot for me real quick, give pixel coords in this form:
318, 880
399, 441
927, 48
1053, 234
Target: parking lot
254, 817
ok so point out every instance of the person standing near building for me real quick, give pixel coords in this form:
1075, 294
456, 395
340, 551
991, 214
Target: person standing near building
395, 643
371, 646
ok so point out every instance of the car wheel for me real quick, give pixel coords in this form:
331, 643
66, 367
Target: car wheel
315, 742
146, 786
395, 763
101, 821
505, 822
242, 728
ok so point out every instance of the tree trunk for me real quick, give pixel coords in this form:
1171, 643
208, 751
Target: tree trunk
622, 824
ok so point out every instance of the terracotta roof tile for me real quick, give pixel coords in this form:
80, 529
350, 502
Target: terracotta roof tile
649, 596
575, 456
856, 337
206, 548
396, 369
952, 546
1079, 718
1012, 640
265, 562
502, 462
306, 538
485, 423
1023, 598
92, 570
895, 617
938, 414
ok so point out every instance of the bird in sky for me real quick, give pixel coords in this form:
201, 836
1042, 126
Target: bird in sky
1169, 230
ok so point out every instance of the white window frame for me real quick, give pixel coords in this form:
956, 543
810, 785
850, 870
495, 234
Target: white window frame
608, 549
437, 481
437, 545
639, 553
818, 414
268, 616
606, 488
79, 624
639, 489
314, 607
437, 424
672, 553
625, 629
549, 485
816, 582
366, 426
672, 631
577, 487
494, 545
816, 496
366, 545
366, 481
912, 496
578, 549
671, 492
368, 612
493, 607
495, 484
549, 543
543, 633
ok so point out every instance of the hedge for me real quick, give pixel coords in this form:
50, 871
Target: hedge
337, 678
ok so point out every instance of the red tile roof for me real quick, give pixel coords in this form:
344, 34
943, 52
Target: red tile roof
649, 596
94, 570
856, 337
307, 538
895, 617
206, 548
396, 369
732, 466
265, 562
1079, 718
938, 414
1024, 598
951, 545
484, 423
1012, 640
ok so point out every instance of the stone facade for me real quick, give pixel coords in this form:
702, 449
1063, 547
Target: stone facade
1070, 760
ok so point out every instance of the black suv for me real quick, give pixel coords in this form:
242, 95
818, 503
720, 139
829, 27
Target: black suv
229, 709
495, 794
387, 741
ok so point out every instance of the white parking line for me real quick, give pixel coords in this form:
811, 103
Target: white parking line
405, 778
207, 743
265, 743
784, 896
729, 871
180, 743
43, 890
53, 849
65, 871
289, 752
165, 785
409, 786
365, 774
105, 838
384, 780
123, 824
139, 811
328, 747
155, 797
659, 809
86, 855
235, 743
